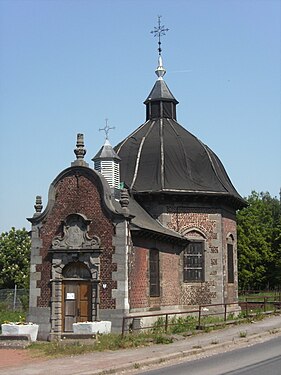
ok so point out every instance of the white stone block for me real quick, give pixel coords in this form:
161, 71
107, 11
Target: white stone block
20, 329
92, 327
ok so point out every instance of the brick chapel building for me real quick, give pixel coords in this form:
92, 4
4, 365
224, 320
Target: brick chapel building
166, 241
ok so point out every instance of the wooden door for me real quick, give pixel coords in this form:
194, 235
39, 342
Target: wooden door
84, 303
76, 303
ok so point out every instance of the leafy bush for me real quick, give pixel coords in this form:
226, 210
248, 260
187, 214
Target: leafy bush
183, 324
159, 325
14, 258
175, 324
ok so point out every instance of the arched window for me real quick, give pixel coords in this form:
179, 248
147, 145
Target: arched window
194, 256
230, 259
193, 262
76, 270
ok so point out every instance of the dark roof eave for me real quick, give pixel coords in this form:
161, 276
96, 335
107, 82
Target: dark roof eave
239, 202
149, 100
95, 158
161, 236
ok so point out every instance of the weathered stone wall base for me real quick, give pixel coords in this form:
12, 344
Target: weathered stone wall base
41, 316
116, 318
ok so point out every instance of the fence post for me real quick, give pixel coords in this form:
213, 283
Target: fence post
123, 326
199, 317
15, 298
225, 307
247, 307
264, 301
166, 323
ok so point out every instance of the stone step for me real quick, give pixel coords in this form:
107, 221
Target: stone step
77, 336
14, 341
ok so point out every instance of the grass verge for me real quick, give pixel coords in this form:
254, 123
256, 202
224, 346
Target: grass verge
62, 348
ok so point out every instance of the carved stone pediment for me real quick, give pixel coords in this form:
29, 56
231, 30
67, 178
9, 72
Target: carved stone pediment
75, 235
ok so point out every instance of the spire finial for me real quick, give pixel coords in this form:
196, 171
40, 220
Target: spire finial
106, 128
159, 31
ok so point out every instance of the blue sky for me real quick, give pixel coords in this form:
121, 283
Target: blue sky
66, 65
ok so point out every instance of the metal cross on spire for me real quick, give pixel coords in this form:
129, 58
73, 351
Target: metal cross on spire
106, 128
159, 31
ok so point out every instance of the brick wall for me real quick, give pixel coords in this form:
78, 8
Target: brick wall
211, 224
138, 278
204, 224
185, 220
170, 279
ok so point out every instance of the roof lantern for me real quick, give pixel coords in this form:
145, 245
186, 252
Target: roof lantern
160, 103
107, 162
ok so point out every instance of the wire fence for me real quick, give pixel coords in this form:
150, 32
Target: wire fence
14, 299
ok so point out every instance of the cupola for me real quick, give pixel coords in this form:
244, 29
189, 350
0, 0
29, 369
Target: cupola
107, 162
160, 103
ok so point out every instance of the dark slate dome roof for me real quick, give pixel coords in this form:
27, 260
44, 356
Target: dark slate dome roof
162, 156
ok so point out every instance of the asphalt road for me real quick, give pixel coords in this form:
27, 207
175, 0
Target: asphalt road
259, 359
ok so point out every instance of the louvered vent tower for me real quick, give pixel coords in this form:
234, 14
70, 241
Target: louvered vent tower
107, 162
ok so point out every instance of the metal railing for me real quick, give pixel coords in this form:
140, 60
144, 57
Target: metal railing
203, 311
265, 303
248, 308
276, 293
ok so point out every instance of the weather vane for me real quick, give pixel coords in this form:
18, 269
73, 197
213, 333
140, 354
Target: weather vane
106, 128
159, 31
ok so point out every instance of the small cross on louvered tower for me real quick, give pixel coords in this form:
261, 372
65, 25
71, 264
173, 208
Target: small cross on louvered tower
107, 162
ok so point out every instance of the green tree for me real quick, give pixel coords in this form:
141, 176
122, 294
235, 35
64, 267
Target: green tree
275, 268
259, 234
14, 258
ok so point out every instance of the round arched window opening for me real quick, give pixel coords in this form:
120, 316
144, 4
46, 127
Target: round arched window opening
76, 270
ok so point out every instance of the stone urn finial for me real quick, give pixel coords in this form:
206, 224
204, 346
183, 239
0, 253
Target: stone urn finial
38, 205
80, 151
124, 200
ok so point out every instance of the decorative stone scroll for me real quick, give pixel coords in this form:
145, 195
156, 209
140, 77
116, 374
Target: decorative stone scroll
75, 235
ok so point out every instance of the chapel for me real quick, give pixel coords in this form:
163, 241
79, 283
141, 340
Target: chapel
151, 226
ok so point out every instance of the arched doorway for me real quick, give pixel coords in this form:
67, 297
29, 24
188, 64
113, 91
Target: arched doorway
76, 295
